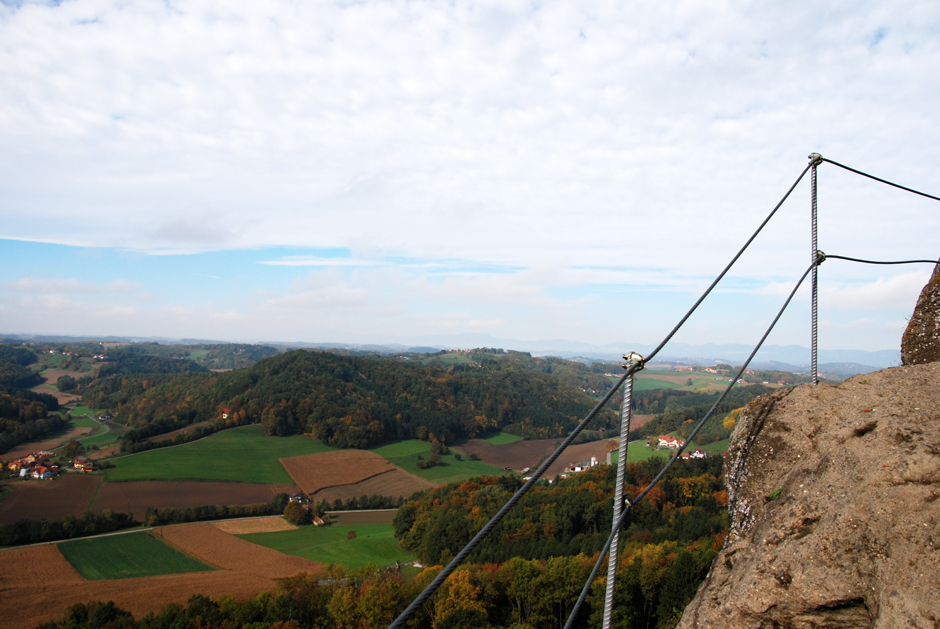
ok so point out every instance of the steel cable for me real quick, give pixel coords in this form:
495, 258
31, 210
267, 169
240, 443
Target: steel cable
829, 255
496, 519
675, 457
884, 181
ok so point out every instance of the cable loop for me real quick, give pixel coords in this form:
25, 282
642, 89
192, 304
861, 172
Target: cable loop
633, 360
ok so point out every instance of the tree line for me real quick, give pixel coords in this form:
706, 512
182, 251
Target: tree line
351, 401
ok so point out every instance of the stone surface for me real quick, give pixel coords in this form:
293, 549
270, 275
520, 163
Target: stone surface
834, 498
921, 341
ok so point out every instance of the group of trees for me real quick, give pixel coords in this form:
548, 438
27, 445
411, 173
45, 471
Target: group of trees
34, 531
351, 401
653, 582
568, 517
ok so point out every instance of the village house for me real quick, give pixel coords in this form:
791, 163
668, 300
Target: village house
665, 441
42, 473
83, 464
699, 454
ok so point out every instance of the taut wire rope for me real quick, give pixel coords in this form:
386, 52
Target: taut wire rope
884, 181
496, 519
675, 457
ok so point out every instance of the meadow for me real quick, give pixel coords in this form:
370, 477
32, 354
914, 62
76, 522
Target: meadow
500, 439
128, 556
242, 454
451, 469
373, 544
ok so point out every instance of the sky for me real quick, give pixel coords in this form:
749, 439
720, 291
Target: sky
380, 172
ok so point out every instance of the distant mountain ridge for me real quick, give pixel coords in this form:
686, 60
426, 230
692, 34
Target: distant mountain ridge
784, 357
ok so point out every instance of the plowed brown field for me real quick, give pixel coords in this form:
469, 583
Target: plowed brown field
516, 455
46, 444
134, 497
314, 472
68, 494
37, 584
522, 454
268, 524
395, 483
208, 543
582, 452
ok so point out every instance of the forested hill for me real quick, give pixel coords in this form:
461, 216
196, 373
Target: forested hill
353, 401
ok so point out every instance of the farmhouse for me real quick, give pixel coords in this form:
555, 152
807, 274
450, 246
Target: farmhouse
699, 454
83, 464
665, 441
42, 473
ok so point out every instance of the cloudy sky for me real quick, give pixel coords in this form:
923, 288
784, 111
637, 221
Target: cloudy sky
383, 171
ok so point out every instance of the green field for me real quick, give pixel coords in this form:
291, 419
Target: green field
452, 470
374, 544
649, 384
639, 452
402, 448
241, 454
128, 556
84, 410
198, 354
100, 440
501, 439
84, 422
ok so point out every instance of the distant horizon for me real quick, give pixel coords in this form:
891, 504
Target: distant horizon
681, 352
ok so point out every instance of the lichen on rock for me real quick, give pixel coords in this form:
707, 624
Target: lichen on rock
921, 341
834, 500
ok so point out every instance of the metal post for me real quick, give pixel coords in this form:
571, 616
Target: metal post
625, 413
815, 160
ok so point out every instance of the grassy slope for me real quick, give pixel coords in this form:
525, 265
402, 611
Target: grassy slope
501, 439
374, 543
405, 455
452, 470
639, 451
241, 454
128, 556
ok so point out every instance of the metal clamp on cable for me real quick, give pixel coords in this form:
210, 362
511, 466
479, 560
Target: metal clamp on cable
815, 159
634, 360
820, 257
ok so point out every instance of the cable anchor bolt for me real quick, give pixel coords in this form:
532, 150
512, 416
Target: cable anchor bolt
820, 257
634, 360
815, 159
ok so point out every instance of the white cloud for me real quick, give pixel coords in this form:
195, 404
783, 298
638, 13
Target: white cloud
57, 285
478, 159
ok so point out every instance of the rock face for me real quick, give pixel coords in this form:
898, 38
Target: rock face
834, 497
921, 340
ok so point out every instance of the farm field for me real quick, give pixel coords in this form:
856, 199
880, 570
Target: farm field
374, 544
241, 454
314, 472
580, 452
649, 383
501, 439
135, 496
68, 494
405, 447
451, 470
396, 483
38, 583
360, 518
516, 455
49, 443
127, 556
210, 544
266, 524
639, 452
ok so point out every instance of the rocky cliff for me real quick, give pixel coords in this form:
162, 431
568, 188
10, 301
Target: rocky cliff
921, 341
834, 495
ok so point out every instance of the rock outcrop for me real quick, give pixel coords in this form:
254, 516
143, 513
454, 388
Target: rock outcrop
834, 498
921, 341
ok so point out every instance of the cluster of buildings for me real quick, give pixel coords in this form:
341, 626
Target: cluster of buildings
40, 466
674, 443
37, 465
